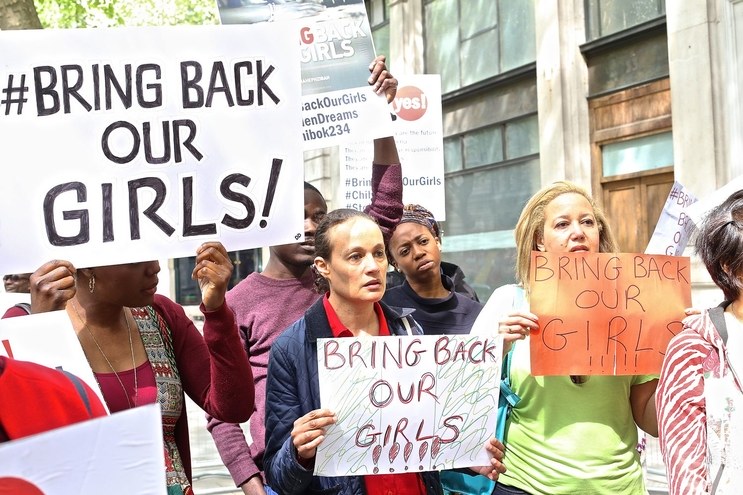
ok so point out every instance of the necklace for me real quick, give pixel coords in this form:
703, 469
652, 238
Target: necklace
131, 348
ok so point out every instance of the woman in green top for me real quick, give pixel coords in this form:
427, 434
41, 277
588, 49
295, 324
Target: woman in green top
572, 435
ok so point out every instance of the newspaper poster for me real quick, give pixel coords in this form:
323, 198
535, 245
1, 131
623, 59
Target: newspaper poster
336, 49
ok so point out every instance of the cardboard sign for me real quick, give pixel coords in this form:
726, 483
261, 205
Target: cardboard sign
407, 404
336, 48
605, 313
674, 226
134, 144
420, 143
119, 454
47, 339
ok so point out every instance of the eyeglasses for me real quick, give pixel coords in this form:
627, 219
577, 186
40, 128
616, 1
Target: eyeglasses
15, 277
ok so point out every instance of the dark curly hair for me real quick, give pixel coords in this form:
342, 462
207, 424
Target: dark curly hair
719, 244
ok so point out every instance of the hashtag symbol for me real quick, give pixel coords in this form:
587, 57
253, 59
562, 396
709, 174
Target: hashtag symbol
348, 194
349, 206
15, 94
348, 182
674, 193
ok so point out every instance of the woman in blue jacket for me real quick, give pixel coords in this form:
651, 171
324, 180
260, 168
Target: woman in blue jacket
351, 261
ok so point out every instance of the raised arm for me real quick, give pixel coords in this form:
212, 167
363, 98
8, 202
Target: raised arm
214, 369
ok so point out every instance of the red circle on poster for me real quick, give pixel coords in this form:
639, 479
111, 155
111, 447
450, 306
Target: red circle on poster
410, 103
18, 486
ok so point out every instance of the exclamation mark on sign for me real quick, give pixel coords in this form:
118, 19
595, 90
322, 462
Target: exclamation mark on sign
406, 453
375, 457
272, 181
6, 344
422, 450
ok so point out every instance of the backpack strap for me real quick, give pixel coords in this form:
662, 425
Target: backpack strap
24, 306
717, 315
508, 398
80, 390
406, 323
505, 383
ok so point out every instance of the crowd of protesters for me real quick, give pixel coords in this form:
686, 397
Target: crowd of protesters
256, 358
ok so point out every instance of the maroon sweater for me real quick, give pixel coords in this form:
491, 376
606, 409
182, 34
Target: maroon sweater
264, 307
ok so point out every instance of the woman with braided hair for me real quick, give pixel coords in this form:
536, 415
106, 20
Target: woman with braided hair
415, 251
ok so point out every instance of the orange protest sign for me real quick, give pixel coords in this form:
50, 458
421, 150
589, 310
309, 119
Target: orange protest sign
605, 313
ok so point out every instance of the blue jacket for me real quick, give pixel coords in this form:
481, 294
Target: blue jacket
293, 390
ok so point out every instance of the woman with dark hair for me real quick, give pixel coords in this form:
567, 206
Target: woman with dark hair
700, 393
351, 261
266, 303
451, 274
144, 349
415, 250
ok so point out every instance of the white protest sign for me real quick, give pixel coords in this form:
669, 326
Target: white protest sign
8, 299
407, 404
117, 454
132, 144
47, 339
701, 208
420, 144
336, 46
674, 226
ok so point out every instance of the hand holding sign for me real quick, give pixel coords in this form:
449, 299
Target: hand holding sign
497, 450
516, 326
213, 271
381, 79
309, 432
52, 285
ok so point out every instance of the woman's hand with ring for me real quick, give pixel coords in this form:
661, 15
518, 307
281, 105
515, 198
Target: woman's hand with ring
516, 326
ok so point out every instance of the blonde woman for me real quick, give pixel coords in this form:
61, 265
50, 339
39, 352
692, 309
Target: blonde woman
572, 435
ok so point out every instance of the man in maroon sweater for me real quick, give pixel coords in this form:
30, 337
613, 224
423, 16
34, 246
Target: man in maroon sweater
266, 303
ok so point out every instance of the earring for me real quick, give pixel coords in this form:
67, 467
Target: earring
91, 283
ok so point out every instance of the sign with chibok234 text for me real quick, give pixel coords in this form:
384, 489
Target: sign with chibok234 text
407, 404
605, 313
